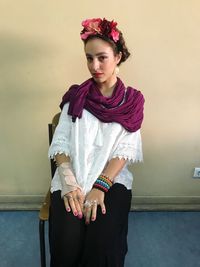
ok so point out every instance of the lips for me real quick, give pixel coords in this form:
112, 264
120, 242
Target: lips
97, 74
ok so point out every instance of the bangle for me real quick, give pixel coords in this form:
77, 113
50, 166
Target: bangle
103, 183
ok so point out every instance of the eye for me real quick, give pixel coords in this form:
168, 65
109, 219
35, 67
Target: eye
102, 58
89, 59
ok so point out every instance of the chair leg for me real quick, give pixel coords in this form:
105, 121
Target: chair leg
42, 243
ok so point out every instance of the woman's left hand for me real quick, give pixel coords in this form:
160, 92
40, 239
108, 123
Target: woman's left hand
94, 198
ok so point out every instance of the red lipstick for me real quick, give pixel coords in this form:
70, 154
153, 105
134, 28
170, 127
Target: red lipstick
97, 74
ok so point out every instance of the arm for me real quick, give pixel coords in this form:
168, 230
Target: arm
60, 151
71, 191
61, 158
129, 149
96, 196
113, 168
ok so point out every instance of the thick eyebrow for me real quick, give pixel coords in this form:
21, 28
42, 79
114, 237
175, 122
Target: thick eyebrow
98, 54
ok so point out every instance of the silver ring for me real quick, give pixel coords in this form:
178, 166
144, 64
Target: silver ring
88, 204
94, 202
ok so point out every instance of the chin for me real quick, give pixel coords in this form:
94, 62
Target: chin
99, 80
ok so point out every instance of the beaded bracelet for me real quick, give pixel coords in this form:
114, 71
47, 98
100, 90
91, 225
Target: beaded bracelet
103, 183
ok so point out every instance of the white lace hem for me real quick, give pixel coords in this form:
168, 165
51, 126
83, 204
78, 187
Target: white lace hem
131, 159
52, 154
128, 152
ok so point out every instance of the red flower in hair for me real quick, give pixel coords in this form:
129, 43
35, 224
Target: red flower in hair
101, 27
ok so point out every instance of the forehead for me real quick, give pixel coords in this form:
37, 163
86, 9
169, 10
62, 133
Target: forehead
96, 46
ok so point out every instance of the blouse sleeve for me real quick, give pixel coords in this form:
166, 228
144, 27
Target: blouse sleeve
60, 142
129, 147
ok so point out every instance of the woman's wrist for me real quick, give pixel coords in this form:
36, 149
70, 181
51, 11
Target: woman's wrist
61, 158
103, 183
67, 178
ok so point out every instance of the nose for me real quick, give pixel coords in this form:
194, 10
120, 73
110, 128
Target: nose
95, 64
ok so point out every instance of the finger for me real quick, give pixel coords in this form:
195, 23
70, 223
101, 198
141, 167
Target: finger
84, 210
67, 207
81, 199
73, 206
78, 208
103, 208
87, 215
94, 211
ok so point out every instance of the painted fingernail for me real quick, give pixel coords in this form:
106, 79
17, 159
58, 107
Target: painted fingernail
80, 215
104, 211
75, 213
87, 223
68, 209
93, 218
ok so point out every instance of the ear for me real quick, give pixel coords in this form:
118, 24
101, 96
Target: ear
118, 57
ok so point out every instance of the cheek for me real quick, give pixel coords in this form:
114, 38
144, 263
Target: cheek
88, 65
111, 65
108, 64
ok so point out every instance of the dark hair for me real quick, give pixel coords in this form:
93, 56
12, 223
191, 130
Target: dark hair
117, 47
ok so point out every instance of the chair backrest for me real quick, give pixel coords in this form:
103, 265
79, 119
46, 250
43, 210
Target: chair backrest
51, 129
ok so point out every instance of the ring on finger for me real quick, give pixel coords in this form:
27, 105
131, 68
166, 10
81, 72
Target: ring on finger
87, 204
94, 202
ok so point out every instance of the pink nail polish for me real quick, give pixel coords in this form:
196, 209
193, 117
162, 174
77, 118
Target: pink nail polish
75, 213
103, 211
80, 215
93, 218
68, 209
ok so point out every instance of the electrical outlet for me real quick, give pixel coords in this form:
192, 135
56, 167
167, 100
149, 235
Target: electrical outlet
196, 173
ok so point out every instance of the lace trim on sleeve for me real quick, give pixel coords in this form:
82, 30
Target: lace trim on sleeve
52, 156
59, 146
128, 152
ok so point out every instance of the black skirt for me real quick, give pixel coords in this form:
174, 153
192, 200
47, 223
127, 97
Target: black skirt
102, 243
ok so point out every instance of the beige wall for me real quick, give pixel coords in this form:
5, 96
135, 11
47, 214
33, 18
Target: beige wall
41, 55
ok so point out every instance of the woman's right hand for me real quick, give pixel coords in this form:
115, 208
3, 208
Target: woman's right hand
74, 202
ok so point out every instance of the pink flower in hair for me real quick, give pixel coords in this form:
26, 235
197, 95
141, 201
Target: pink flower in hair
91, 26
115, 35
102, 27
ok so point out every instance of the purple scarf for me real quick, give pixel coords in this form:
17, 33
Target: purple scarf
125, 106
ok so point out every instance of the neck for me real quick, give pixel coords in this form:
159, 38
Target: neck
107, 87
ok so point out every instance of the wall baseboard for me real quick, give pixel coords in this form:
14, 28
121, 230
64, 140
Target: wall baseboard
139, 203
19, 202
165, 203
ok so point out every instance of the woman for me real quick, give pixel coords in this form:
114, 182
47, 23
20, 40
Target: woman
97, 136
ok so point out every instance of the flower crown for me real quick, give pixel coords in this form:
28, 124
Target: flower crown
98, 26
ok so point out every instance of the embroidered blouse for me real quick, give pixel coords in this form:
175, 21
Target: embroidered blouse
90, 144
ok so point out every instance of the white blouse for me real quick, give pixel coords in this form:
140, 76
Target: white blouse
90, 144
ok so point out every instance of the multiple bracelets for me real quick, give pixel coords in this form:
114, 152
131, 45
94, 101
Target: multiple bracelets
103, 183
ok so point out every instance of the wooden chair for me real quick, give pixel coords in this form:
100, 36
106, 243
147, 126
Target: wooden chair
44, 211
